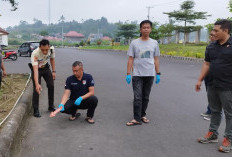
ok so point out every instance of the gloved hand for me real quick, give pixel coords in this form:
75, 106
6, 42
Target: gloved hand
61, 105
157, 79
78, 101
128, 79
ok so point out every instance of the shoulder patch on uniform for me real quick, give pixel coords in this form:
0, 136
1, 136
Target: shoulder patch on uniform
35, 58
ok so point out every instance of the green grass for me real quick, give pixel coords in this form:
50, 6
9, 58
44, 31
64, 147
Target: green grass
11, 47
108, 47
190, 50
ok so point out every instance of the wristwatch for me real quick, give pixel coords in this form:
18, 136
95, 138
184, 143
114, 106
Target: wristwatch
158, 73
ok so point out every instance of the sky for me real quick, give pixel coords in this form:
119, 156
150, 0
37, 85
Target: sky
113, 10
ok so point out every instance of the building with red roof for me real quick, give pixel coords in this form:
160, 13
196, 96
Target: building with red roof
74, 37
106, 38
52, 38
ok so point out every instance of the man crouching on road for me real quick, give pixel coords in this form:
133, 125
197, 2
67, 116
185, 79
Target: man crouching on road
78, 94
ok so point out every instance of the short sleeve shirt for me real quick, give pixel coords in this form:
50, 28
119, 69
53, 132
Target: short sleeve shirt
79, 87
143, 53
38, 58
220, 58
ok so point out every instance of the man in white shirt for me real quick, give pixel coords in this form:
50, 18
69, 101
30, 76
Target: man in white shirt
40, 68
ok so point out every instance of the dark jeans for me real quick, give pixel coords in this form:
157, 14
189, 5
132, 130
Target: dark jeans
208, 111
142, 88
218, 100
89, 103
47, 75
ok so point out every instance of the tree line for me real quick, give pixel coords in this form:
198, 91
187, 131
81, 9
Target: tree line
180, 21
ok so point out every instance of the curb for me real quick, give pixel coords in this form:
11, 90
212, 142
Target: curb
165, 56
12, 126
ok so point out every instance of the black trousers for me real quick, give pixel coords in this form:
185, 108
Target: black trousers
0, 79
47, 75
142, 88
89, 103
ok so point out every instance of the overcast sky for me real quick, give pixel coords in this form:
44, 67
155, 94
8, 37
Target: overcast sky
113, 10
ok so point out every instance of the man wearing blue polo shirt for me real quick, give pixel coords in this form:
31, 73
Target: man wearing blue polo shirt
79, 94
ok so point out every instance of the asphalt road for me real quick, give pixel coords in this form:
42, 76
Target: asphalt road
174, 112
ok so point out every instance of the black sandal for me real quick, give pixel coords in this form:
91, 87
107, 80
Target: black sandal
75, 117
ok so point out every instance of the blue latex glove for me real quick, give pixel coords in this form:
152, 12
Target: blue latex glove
78, 101
157, 79
128, 79
61, 105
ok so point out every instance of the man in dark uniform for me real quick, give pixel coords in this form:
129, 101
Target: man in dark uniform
40, 68
218, 65
78, 94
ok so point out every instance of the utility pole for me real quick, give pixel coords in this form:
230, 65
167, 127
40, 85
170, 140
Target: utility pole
49, 12
62, 35
61, 20
148, 15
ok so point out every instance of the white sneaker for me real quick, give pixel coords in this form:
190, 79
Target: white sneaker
205, 114
207, 118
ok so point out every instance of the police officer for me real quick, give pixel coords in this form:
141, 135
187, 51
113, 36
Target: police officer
218, 65
78, 94
2, 68
40, 68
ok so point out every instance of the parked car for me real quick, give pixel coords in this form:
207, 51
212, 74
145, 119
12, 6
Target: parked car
27, 48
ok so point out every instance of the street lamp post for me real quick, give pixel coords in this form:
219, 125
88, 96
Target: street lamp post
62, 34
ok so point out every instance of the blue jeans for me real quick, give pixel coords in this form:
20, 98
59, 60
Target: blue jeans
142, 88
218, 100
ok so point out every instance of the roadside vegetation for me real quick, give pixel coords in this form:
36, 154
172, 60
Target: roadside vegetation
189, 50
12, 87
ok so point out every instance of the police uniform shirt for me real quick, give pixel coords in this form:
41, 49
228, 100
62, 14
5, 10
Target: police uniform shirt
220, 58
38, 58
79, 87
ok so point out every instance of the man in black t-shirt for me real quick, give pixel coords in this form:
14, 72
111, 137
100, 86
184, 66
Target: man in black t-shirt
218, 66
78, 94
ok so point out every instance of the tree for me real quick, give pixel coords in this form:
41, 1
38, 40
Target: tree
155, 33
230, 5
37, 23
162, 31
62, 19
186, 14
13, 4
127, 30
43, 33
167, 29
